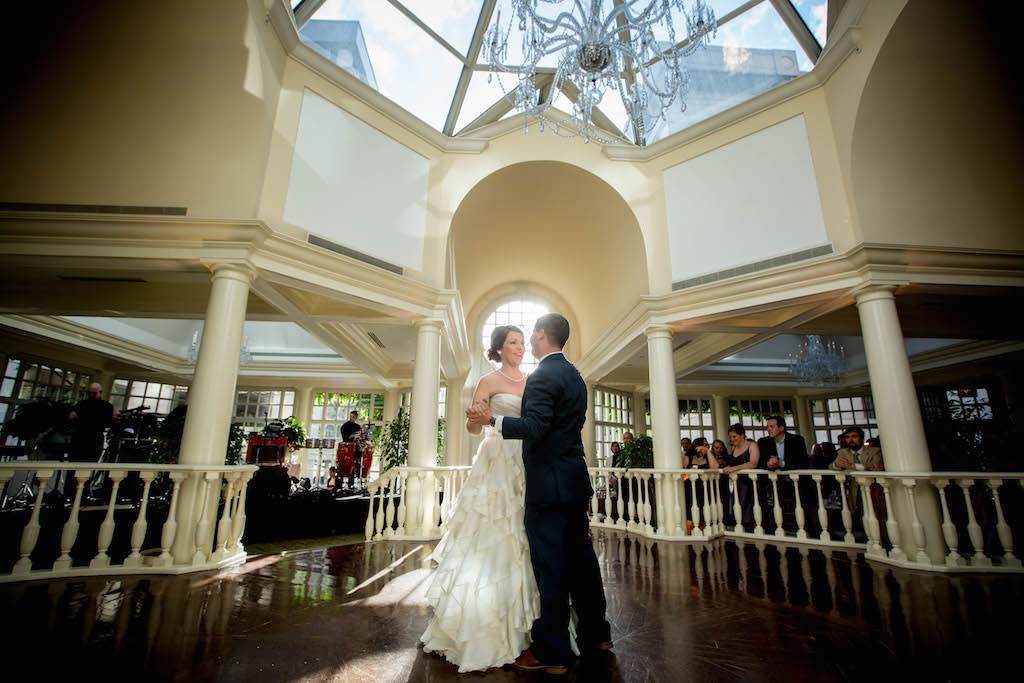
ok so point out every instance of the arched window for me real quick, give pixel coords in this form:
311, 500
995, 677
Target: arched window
522, 313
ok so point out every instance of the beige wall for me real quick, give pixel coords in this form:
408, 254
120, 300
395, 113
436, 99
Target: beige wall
557, 225
127, 103
937, 144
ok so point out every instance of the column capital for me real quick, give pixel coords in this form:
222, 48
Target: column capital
234, 271
658, 332
872, 291
428, 324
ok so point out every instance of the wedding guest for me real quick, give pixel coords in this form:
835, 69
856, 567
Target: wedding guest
332, 478
783, 450
614, 457
92, 415
684, 445
626, 438
856, 457
743, 455
699, 457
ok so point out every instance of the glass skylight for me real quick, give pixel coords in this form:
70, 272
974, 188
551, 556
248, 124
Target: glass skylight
378, 43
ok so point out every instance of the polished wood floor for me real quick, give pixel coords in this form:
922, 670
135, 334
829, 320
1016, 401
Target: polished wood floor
722, 612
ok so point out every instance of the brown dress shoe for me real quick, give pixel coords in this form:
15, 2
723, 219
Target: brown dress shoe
606, 645
527, 662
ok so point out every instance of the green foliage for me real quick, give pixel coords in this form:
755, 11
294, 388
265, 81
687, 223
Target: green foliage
394, 443
294, 430
236, 439
637, 454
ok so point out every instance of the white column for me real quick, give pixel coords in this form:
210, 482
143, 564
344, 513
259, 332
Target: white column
426, 383
590, 430
720, 417
664, 408
303, 408
900, 428
454, 422
804, 424
639, 417
211, 396
391, 397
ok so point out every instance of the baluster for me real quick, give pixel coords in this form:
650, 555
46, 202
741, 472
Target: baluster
620, 505
638, 482
238, 519
445, 496
694, 509
101, 559
758, 507
659, 489
645, 482
224, 525
719, 506
953, 558
69, 533
822, 513
30, 534
673, 481
368, 527
426, 505
737, 512
870, 521
392, 509
140, 526
844, 510
631, 507
777, 507
801, 530
402, 478
917, 528
891, 525
979, 559
378, 512
594, 484
1002, 528
709, 528
170, 529
435, 509
205, 527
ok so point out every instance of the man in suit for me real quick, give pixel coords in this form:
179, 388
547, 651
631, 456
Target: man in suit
781, 451
557, 493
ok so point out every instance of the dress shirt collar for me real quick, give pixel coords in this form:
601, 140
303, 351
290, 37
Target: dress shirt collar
541, 359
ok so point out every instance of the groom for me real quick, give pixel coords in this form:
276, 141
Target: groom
557, 493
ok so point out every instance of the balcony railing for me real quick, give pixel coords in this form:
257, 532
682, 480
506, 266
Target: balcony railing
53, 541
879, 513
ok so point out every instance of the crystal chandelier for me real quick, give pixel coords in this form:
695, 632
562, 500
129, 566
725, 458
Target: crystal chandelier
244, 354
818, 362
598, 51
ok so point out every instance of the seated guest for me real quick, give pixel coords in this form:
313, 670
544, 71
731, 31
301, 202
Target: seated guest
332, 479
782, 450
856, 456
744, 455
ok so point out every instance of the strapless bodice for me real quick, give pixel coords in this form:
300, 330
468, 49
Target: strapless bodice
506, 405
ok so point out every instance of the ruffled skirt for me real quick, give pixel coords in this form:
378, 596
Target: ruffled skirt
483, 591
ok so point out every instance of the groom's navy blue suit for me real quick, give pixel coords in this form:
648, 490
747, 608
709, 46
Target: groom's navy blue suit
557, 492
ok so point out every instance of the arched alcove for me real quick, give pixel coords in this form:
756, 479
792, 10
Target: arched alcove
936, 145
556, 226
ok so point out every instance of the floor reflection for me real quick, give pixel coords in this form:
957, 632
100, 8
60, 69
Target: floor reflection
721, 610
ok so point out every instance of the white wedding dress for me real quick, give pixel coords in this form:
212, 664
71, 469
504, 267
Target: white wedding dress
483, 591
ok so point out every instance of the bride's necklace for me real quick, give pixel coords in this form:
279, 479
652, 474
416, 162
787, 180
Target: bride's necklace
521, 379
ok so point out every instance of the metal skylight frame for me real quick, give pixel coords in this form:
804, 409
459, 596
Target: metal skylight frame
791, 17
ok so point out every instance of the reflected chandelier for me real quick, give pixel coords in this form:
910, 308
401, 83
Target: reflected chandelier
599, 51
818, 362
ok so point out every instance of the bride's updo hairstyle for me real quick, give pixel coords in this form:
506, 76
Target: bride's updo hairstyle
498, 337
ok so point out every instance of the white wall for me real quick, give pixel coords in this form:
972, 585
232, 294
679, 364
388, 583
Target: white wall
747, 201
357, 187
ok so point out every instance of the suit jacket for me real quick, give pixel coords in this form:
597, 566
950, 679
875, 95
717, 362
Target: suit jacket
795, 452
554, 410
870, 457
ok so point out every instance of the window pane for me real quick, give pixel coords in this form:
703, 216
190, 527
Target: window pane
318, 412
166, 390
12, 368
120, 386
7, 388
152, 390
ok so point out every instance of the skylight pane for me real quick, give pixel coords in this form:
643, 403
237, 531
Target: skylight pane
751, 54
815, 15
479, 97
453, 20
374, 41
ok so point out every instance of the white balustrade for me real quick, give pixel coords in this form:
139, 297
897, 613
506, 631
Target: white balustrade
123, 508
388, 516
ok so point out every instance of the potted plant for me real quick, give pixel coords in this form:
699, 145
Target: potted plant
637, 454
394, 442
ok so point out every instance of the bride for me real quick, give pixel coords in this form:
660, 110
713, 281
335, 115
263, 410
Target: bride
484, 592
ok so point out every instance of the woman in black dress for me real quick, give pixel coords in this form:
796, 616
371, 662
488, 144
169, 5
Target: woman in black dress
743, 455
698, 457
